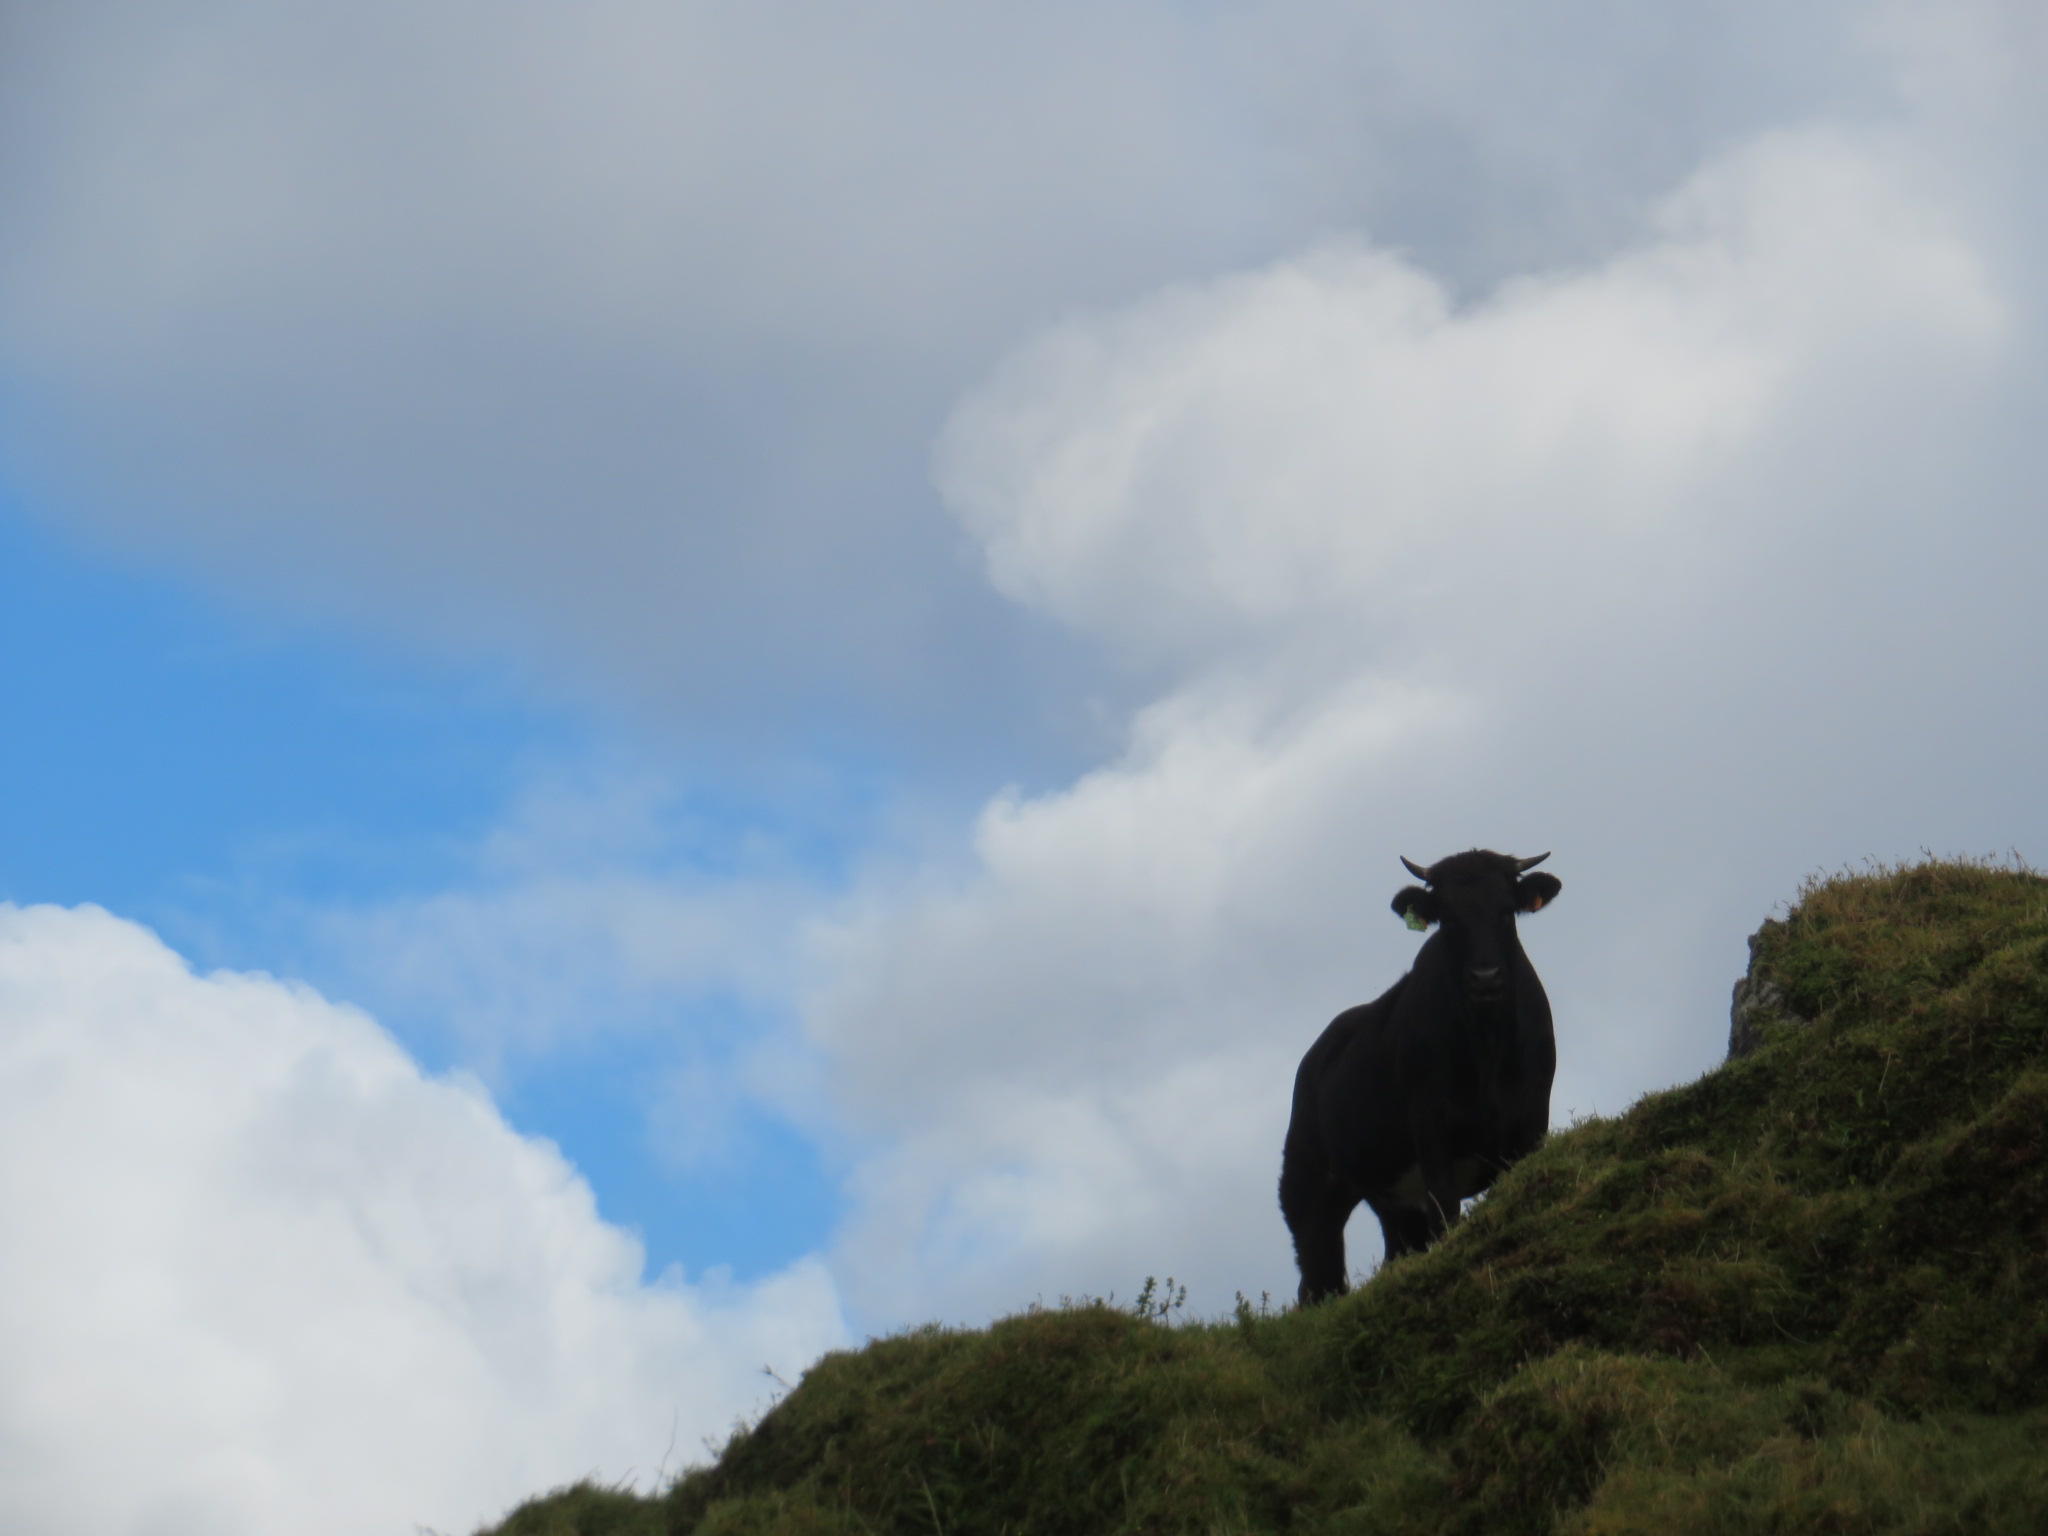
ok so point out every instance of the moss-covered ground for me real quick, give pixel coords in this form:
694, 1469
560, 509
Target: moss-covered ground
1807, 1293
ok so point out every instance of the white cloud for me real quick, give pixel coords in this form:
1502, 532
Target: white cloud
1669, 563
264, 1276
1259, 452
518, 967
608, 910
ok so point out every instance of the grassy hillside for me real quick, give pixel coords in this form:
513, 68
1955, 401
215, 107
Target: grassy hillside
1808, 1292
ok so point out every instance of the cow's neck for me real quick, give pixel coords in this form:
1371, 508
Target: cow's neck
1494, 1026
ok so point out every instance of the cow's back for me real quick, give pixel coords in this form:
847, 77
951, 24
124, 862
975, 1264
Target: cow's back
1346, 1092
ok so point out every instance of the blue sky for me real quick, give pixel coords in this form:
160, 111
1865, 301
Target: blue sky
224, 777
843, 613
184, 753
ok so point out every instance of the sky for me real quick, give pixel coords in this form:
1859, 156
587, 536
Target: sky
687, 681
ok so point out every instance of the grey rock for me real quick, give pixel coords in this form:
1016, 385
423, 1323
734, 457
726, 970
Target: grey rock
1757, 1004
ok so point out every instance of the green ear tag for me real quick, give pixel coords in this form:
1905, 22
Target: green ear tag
1417, 921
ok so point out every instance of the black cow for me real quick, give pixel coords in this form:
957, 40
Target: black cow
1418, 1101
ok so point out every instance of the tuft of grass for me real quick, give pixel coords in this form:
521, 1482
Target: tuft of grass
1802, 1294
583, 1509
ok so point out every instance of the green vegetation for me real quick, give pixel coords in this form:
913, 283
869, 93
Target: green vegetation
1807, 1293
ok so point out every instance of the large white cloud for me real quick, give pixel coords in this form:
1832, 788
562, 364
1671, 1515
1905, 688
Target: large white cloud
1702, 565
1327, 439
261, 1275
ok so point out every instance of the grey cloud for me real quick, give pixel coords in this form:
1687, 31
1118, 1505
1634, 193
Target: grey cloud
611, 335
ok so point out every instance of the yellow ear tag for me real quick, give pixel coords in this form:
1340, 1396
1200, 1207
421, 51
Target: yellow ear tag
1417, 921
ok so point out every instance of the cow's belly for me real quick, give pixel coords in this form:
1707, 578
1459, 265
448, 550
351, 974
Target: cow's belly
1468, 1176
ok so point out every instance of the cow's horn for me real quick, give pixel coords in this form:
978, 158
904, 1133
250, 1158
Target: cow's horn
1415, 869
1529, 864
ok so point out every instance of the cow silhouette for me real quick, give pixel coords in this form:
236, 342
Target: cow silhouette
1420, 1099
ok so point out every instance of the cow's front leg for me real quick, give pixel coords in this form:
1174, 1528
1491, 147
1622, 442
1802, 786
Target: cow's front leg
1439, 1182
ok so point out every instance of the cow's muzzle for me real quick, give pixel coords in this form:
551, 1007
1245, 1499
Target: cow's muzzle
1488, 982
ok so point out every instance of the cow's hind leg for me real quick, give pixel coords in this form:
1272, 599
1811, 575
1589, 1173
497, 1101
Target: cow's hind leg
1316, 1204
1404, 1227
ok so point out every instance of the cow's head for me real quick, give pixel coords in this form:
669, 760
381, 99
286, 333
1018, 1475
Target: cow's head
1475, 896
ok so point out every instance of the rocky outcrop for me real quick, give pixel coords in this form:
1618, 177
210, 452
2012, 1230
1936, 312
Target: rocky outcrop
1758, 1003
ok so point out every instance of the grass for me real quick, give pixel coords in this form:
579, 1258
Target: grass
1807, 1293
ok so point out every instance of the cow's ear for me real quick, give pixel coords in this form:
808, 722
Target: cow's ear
1415, 905
1534, 892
